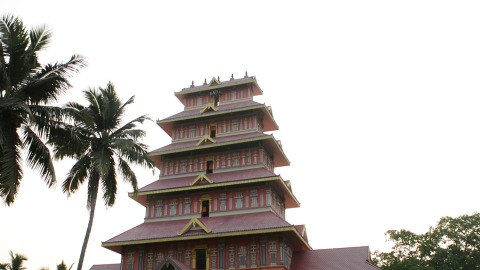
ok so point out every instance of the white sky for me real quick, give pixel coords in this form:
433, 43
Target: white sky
377, 102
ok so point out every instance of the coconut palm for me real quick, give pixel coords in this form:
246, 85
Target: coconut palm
26, 89
102, 148
16, 262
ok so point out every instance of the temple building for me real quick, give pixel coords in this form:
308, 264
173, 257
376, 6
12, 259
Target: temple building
218, 203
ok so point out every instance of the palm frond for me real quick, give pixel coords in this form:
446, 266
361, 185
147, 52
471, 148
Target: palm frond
40, 37
127, 173
77, 175
38, 156
51, 81
130, 125
10, 159
109, 185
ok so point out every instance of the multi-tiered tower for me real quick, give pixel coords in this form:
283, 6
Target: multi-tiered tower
218, 203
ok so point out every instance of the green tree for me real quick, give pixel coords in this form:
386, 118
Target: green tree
16, 262
26, 89
63, 266
101, 146
453, 244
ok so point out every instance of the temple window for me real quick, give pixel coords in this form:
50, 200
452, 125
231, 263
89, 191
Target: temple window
269, 197
254, 198
209, 166
176, 167
205, 208
170, 171
199, 100
216, 100
140, 260
213, 131
273, 253
249, 158
147, 208
201, 259
234, 94
183, 166
152, 210
181, 133
238, 200
130, 261
150, 261
173, 208
180, 254
186, 206
195, 165
253, 255
231, 256
282, 253
159, 208
236, 159
191, 131
221, 257
223, 161
223, 201
242, 256
263, 253
234, 125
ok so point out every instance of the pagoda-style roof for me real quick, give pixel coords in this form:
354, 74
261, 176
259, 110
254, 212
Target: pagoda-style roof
269, 123
211, 227
352, 258
216, 84
230, 178
268, 141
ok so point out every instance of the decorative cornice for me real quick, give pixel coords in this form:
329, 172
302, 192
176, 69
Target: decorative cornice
204, 139
194, 222
200, 178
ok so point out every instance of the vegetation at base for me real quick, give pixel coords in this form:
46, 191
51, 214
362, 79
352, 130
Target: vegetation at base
102, 147
453, 244
17, 260
26, 90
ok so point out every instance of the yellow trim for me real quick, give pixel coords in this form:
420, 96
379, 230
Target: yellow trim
200, 178
194, 237
265, 137
193, 223
200, 187
214, 81
204, 139
208, 107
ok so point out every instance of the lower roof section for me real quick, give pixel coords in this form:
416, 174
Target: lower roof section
211, 227
221, 179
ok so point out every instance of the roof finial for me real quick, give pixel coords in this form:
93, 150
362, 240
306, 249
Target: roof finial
246, 74
193, 85
205, 82
218, 78
231, 77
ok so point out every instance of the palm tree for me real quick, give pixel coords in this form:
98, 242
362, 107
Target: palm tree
16, 262
102, 147
26, 89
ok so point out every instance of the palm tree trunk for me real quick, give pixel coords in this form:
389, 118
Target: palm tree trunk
93, 202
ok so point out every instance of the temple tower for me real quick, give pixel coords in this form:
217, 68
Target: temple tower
218, 203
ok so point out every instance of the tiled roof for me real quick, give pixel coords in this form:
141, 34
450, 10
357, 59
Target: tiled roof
223, 84
161, 231
113, 266
351, 258
215, 177
218, 140
244, 105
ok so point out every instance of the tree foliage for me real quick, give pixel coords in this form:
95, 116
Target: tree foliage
102, 146
453, 244
26, 90
16, 262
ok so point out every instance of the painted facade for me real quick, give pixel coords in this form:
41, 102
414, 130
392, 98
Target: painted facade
218, 203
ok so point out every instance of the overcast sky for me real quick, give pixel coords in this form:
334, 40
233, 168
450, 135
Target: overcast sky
377, 103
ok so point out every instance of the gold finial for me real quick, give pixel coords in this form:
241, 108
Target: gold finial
218, 78
246, 74
205, 82
231, 77
193, 85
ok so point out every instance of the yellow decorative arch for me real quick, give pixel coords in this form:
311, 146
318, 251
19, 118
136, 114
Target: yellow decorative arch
200, 178
209, 107
194, 222
204, 139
